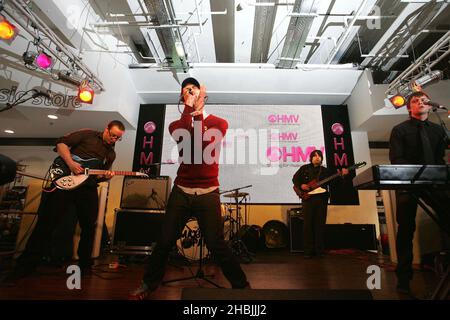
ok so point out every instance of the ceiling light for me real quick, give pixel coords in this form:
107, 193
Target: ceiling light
8, 31
9, 131
85, 92
52, 116
179, 48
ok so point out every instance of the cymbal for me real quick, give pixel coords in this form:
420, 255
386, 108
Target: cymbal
236, 194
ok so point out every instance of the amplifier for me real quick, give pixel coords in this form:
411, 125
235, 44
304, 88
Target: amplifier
145, 193
136, 231
296, 229
336, 236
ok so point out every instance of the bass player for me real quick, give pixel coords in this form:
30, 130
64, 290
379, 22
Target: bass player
315, 206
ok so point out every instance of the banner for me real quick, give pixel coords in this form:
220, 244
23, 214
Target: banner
339, 153
149, 137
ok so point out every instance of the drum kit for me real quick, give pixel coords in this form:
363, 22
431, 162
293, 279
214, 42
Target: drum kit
233, 232
233, 214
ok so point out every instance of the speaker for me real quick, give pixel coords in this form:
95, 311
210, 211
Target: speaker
296, 229
136, 231
145, 193
351, 236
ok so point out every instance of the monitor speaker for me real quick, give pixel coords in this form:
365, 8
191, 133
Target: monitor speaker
136, 230
145, 193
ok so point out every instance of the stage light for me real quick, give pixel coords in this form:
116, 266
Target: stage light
43, 60
426, 80
8, 31
397, 101
29, 57
85, 92
9, 131
52, 116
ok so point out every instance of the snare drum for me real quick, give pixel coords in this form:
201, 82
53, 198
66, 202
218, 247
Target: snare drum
189, 243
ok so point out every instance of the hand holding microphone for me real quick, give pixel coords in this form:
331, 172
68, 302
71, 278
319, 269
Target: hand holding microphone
199, 103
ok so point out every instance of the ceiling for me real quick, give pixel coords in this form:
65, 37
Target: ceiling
280, 32
385, 36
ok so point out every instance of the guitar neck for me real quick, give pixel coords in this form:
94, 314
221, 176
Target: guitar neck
321, 182
117, 173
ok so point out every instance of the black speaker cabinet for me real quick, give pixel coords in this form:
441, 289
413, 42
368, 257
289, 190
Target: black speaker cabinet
351, 236
136, 231
296, 229
145, 193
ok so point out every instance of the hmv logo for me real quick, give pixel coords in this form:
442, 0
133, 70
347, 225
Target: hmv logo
283, 119
285, 136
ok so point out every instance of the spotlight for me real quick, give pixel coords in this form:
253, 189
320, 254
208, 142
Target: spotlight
8, 31
43, 60
85, 92
397, 101
29, 57
426, 80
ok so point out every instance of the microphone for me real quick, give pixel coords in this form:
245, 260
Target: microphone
41, 92
435, 105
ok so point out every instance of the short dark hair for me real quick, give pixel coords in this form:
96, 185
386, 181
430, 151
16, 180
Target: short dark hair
415, 94
116, 123
315, 152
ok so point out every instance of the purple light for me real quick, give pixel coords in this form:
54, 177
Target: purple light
43, 60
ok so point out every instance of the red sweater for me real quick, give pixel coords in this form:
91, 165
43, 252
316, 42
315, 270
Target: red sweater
192, 174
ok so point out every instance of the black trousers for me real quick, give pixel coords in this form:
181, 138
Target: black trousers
52, 209
406, 220
314, 220
206, 208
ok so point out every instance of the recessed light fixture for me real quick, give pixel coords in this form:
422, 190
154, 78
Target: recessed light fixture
52, 116
9, 131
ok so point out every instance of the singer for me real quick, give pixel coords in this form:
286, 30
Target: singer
416, 141
195, 192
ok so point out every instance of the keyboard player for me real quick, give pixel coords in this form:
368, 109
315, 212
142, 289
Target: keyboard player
415, 141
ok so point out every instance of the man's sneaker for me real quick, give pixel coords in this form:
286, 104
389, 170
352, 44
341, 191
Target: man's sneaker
140, 293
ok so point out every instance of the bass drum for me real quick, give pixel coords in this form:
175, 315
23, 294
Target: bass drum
276, 234
189, 243
253, 237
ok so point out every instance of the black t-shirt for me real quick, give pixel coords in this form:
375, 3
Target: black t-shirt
88, 144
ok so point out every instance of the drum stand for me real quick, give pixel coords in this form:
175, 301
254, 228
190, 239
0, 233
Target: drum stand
200, 273
236, 244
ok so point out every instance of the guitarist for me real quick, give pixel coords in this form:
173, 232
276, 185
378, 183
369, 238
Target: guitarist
315, 207
86, 144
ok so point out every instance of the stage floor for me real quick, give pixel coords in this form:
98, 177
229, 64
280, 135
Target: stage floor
275, 270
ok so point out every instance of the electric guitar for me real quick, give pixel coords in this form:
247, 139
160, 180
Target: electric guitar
64, 179
315, 186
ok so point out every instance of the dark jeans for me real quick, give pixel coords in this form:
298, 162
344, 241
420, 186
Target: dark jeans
51, 210
314, 219
406, 220
206, 208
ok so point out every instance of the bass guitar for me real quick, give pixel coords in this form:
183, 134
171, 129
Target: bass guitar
64, 179
315, 186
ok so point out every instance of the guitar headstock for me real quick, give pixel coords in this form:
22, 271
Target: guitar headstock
140, 174
359, 165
